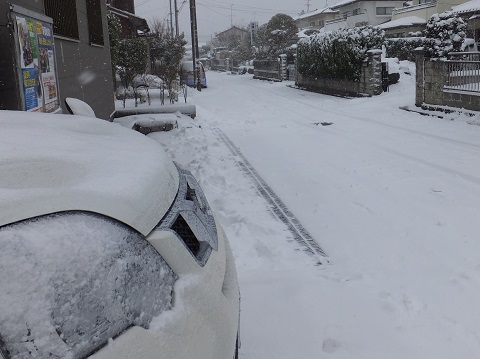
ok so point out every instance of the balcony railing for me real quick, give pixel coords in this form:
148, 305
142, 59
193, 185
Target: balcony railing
414, 7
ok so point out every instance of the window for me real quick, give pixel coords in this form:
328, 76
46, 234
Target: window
95, 24
357, 11
312, 23
321, 23
384, 10
64, 15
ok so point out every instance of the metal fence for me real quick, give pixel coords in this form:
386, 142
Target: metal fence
267, 69
462, 72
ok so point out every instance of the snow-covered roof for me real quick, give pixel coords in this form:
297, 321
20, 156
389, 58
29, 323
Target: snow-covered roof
348, 2
343, 3
403, 22
470, 6
52, 163
233, 28
325, 10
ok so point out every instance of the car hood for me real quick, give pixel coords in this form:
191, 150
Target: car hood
53, 163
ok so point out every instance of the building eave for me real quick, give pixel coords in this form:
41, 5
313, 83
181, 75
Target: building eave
139, 23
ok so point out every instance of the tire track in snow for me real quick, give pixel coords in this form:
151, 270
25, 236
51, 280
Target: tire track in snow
278, 208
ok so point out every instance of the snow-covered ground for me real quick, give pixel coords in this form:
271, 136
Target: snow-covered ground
393, 197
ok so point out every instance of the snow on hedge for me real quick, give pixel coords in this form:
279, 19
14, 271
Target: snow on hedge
338, 54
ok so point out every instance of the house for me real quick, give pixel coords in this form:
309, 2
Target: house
53, 49
315, 19
412, 17
352, 13
234, 35
424, 9
132, 25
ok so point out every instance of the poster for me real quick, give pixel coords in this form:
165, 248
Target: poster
30, 80
37, 62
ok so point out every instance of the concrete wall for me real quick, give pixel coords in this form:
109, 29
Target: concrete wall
267, 70
370, 83
429, 87
84, 71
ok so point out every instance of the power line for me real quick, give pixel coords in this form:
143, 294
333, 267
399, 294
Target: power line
142, 3
252, 7
209, 8
249, 11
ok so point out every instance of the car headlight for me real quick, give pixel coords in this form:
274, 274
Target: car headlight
73, 280
191, 219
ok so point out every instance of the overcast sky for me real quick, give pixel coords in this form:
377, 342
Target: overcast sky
214, 16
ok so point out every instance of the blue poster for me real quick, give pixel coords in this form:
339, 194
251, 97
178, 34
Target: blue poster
30, 85
37, 64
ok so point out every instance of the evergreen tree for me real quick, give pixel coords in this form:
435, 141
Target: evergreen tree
279, 35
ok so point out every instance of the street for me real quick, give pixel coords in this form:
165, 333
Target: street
392, 197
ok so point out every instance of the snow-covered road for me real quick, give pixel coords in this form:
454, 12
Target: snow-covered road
393, 197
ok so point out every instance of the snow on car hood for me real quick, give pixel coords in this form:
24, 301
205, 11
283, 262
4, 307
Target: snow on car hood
52, 163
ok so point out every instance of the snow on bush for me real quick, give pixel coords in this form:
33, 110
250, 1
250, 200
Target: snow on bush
403, 47
445, 33
338, 54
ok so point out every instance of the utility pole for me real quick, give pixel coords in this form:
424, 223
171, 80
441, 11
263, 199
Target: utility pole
308, 5
231, 15
195, 52
176, 19
171, 19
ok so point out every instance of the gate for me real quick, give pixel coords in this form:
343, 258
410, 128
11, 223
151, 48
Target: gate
385, 80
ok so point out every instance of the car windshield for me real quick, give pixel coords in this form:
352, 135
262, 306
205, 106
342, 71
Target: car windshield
70, 281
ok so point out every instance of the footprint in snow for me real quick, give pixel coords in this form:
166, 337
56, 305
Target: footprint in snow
330, 345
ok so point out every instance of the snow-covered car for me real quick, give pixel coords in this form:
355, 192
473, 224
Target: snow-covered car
108, 248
